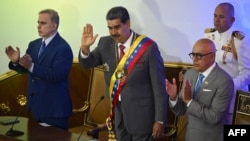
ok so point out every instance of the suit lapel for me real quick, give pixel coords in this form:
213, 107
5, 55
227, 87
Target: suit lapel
193, 80
49, 48
209, 80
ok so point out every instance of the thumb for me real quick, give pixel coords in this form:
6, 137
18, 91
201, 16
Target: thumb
94, 38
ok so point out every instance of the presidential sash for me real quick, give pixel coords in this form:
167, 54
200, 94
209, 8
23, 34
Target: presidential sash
121, 74
125, 67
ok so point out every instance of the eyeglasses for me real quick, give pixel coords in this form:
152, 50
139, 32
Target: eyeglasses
198, 55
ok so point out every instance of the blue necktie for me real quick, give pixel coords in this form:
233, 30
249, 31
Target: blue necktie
42, 48
198, 84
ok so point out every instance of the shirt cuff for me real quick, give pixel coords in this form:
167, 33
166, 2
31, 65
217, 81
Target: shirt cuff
189, 102
83, 55
161, 122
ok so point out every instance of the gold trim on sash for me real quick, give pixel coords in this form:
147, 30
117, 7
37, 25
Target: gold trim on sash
120, 72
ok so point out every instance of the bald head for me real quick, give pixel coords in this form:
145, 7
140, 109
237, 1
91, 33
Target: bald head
228, 7
205, 45
203, 54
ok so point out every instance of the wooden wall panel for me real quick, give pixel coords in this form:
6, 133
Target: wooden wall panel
13, 84
10, 87
79, 79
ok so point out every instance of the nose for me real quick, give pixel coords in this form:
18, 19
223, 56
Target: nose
195, 58
216, 19
38, 26
112, 31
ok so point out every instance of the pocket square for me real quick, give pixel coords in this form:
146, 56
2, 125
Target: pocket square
207, 90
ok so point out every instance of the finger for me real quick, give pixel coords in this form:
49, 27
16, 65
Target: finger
174, 81
21, 62
156, 135
17, 48
88, 28
84, 30
95, 37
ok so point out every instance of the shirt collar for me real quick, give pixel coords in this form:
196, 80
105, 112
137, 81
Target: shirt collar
208, 71
128, 42
48, 40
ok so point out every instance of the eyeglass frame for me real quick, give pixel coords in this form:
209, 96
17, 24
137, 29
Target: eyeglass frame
198, 55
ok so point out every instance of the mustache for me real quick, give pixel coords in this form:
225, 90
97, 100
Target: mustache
115, 35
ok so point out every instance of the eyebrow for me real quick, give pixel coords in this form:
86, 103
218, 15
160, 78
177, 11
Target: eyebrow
116, 26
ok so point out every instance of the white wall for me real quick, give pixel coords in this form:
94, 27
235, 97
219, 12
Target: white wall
174, 24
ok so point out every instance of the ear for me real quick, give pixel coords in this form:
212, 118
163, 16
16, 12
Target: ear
128, 23
232, 19
54, 26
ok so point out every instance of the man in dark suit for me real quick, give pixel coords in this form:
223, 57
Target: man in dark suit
48, 70
207, 107
136, 82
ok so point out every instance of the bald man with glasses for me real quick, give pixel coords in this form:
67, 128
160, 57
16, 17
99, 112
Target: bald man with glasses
198, 55
232, 46
207, 105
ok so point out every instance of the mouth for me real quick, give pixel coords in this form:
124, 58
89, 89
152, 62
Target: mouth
116, 36
195, 65
216, 25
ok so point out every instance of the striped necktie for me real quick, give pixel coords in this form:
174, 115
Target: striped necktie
122, 47
42, 48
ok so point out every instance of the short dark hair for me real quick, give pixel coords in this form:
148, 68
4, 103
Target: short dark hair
53, 14
118, 12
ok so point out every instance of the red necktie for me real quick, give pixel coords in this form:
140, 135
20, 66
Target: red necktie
121, 51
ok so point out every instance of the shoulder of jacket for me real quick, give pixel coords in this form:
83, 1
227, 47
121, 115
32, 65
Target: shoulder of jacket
238, 34
209, 30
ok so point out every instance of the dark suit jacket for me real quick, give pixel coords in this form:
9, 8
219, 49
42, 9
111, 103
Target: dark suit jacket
143, 97
48, 86
207, 113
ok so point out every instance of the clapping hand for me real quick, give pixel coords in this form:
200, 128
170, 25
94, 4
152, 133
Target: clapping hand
26, 61
171, 89
13, 54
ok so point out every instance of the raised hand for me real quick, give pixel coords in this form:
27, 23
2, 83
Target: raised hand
87, 38
13, 54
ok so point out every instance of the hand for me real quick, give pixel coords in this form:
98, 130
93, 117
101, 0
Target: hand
187, 92
157, 130
171, 89
26, 61
13, 54
181, 74
87, 38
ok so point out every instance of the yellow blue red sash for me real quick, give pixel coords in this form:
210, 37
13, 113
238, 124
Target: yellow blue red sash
124, 68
